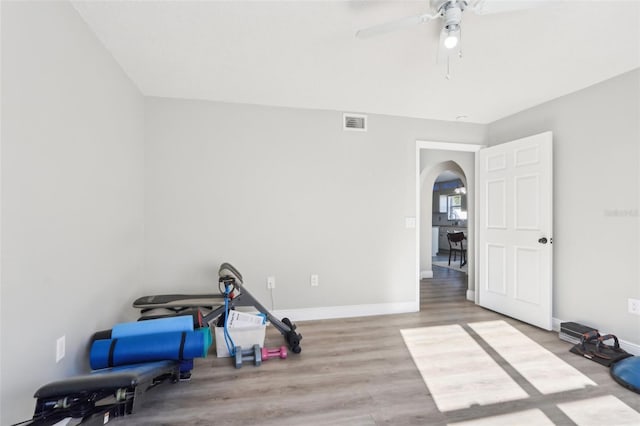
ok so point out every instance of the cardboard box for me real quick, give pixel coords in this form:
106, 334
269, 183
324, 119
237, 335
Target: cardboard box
244, 337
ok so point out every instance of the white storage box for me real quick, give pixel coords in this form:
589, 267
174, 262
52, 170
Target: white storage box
239, 319
244, 337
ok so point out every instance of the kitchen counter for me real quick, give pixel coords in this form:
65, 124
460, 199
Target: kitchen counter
462, 228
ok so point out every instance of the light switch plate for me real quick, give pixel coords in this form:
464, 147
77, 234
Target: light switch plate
60, 348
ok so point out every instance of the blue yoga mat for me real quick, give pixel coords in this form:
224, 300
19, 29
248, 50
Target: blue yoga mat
186, 365
155, 326
208, 339
146, 348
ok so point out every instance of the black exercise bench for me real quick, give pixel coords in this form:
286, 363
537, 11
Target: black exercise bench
98, 397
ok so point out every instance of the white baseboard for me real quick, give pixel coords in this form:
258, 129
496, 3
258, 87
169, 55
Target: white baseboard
329, 312
471, 295
632, 348
426, 274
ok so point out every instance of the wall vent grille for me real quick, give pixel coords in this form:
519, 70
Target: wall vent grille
356, 122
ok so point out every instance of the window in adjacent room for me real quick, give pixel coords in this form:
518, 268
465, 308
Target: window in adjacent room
454, 208
444, 206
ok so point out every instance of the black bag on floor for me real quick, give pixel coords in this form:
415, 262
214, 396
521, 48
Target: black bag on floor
592, 346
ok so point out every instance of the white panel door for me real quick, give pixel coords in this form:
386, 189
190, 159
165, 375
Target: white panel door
515, 229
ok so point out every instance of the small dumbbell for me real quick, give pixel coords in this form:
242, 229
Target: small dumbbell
280, 352
254, 354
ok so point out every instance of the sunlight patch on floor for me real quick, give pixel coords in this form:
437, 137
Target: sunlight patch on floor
544, 370
457, 371
604, 410
533, 417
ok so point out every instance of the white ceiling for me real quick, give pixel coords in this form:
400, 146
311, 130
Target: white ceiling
304, 54
447, 176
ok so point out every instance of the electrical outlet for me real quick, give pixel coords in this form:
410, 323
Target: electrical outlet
634, 306
314, 280
271, 283
60, 348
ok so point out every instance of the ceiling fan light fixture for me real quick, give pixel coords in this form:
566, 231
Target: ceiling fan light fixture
451, 39
452, 15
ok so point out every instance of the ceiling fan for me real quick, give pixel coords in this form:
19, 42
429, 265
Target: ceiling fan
451, 13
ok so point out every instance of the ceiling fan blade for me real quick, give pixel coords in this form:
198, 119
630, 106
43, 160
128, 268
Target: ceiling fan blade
485, 7
394, 25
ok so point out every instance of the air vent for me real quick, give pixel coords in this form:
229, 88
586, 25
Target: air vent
354, 122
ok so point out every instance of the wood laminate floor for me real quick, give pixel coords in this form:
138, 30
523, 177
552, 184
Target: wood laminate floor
358, 371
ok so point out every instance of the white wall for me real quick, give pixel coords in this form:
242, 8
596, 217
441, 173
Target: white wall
72, 191
596, 192
288, 193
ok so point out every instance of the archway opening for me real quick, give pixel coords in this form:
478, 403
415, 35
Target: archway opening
432, 158
450, 216
442, 179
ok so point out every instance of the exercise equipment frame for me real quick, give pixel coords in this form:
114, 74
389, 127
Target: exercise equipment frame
228, 276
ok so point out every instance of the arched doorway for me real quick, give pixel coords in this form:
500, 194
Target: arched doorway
429, 177
432, 158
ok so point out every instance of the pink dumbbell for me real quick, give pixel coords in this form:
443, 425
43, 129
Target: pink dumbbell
280, 352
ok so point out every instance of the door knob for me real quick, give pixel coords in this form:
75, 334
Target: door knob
543, 240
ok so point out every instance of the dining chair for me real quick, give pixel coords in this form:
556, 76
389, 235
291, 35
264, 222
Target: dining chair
456, 245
